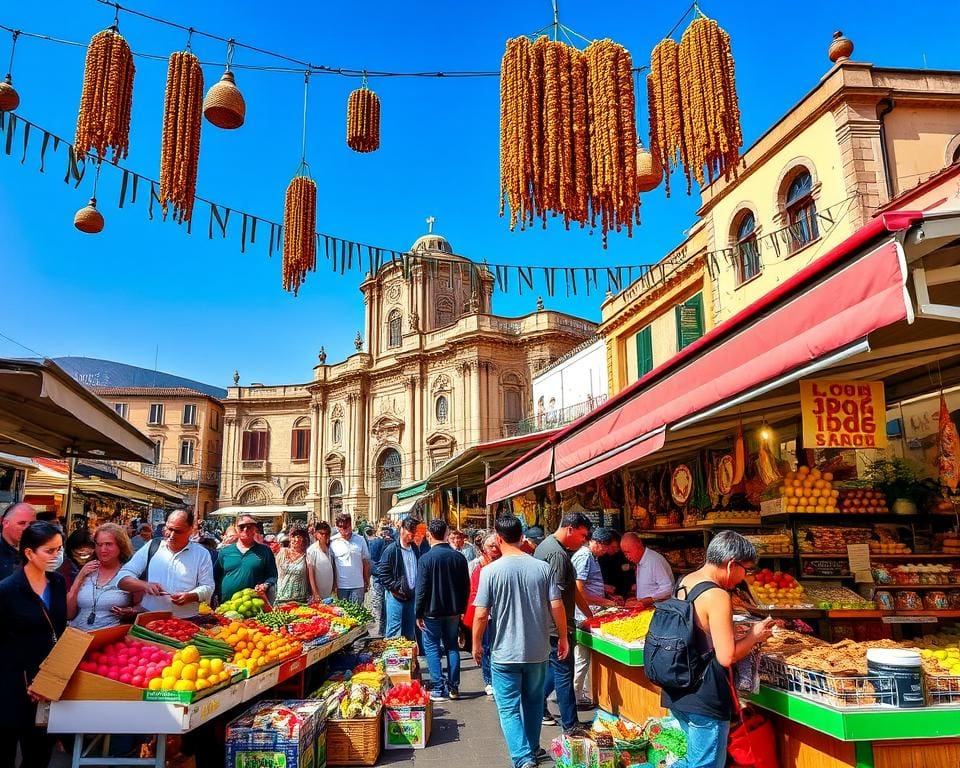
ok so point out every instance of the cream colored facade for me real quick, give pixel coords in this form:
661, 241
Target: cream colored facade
864, 135
436, 372
187, 428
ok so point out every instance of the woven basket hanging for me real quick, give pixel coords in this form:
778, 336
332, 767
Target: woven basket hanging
9, 98
363, 120
649, 170
88, 219
224, 105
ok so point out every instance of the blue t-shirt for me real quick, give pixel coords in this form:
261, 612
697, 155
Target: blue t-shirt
588, 571
517, 589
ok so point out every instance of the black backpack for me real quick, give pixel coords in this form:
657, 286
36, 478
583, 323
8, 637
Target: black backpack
671, 658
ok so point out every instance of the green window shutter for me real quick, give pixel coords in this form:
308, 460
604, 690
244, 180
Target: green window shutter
689, 321
644, 351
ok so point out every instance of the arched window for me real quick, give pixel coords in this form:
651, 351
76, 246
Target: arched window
747, 253
335, 498
300, 440
394, 329
801, 211
337, 431
442, 409
389, 469
256, 442
512, 406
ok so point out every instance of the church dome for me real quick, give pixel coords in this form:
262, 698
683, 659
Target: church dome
431, 242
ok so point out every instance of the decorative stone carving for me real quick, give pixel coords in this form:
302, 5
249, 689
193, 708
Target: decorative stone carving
236, 378
441, 383
387, 429
322, 357
297, 494
414, 321
358, 342
337, 412
254, 496
393, 291
334, 464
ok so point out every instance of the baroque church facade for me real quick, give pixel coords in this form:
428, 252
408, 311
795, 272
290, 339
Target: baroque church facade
435, 373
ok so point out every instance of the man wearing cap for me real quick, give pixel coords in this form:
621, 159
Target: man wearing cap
590, 587
246, 563
532, 538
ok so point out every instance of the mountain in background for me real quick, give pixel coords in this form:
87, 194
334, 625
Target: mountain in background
105, 373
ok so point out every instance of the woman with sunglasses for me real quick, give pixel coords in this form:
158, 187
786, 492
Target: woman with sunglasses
33, 614
95, 600
704, 710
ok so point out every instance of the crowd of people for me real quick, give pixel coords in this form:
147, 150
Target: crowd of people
513, 595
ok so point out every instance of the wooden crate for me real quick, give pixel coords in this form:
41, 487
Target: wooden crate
354, 742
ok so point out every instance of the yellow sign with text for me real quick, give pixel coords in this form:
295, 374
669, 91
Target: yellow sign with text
843, 414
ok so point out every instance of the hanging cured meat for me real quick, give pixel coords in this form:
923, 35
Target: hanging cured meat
725, 475
949, 460
739, 455
681, 485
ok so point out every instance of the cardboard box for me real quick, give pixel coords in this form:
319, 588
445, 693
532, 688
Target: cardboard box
278, 733
406, 727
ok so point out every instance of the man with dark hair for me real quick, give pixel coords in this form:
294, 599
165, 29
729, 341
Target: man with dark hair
531, 539
352, 560
173, 575
618, 572
397, 573
556, 551
245, 564
378, 607
443, 586
518, 594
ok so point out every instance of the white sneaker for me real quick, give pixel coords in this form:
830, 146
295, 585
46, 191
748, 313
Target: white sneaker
488, 689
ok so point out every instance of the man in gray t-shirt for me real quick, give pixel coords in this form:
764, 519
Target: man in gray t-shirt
519, 594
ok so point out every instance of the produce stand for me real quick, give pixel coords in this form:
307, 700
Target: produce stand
810, 734
86, 717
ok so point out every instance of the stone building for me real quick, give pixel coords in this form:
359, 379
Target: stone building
434, 373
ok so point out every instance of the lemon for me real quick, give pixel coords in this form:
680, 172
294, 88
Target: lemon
177, 668
184, 685
190, 654
189, 672
155, 683
167, 683
216, 665
168, 672
201, 684
204, 663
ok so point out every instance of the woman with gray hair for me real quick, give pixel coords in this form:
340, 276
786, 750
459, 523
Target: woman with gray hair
704, 710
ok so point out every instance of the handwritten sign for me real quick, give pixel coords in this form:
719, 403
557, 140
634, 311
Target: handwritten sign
843, 414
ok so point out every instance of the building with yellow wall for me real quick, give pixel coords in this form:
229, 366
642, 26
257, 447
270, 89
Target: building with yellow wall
858, 139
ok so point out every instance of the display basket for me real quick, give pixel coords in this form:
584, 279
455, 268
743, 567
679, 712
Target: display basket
773, 672
942, 689
843, 691
356, 741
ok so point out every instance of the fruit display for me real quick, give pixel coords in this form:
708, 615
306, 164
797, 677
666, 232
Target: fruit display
127, 661
889, 548
949, 544
178, 629
630, 629
356, 611
244, 604
187, 671
777, 588
345, 700
828, 597
255, 649
862, 501
816, 539
740, 516
943, 649
809, 491
780, 543
410, 694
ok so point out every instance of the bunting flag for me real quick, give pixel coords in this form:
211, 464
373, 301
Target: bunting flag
344, 256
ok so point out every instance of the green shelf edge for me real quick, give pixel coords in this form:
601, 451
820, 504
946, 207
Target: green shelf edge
867, 725
631, 657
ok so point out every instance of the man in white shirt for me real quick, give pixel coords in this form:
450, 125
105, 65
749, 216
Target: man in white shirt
654, 575
174, 576
323, 580
351, 559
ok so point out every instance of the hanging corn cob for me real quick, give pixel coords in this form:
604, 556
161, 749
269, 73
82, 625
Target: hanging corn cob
692, 97
568, 134
104, 118
299, 228
180, 146
363, 120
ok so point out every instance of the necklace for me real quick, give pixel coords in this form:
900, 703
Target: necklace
97, 592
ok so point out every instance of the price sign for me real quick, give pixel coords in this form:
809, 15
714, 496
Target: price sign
859, 557
843, 414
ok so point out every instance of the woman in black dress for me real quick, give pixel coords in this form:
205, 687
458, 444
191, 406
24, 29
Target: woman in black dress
33, 614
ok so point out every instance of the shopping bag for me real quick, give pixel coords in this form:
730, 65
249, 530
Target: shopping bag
753, 742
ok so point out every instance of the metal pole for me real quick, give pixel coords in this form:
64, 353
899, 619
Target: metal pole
486, 476
71, 463
458, 502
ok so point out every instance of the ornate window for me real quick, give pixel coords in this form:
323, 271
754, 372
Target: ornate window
300, 440
801, 211
445, 311
747, 255
256, 442
337, 431
255, 496
394, 328
442, 409
389, 470
297, 494
335, 498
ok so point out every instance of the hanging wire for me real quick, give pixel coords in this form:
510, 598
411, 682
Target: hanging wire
230, 47
189, 46
96, 180
304, 166
694, 8
16, 34
363, 83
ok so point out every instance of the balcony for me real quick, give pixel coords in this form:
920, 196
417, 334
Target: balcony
184, 475
558, 417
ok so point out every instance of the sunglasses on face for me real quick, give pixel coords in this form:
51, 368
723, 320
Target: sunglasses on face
243, 526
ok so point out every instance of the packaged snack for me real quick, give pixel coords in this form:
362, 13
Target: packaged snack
884, 600
908, 601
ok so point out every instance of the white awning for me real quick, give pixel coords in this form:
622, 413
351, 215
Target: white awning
405, 507
267, 510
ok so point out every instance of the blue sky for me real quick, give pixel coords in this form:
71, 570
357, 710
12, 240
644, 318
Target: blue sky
144, 290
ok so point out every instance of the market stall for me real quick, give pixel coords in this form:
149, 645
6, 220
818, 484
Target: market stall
821, 423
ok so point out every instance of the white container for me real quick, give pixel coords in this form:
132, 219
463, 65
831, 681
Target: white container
905, 667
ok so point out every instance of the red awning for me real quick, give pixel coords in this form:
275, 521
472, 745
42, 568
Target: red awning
832, 304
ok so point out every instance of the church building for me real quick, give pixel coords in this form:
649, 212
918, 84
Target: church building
435, 372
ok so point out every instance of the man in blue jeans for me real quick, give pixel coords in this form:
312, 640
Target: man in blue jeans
397, 572
556, 551
443, 587
518, 593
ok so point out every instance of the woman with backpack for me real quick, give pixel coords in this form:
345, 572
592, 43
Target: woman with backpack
696, 685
